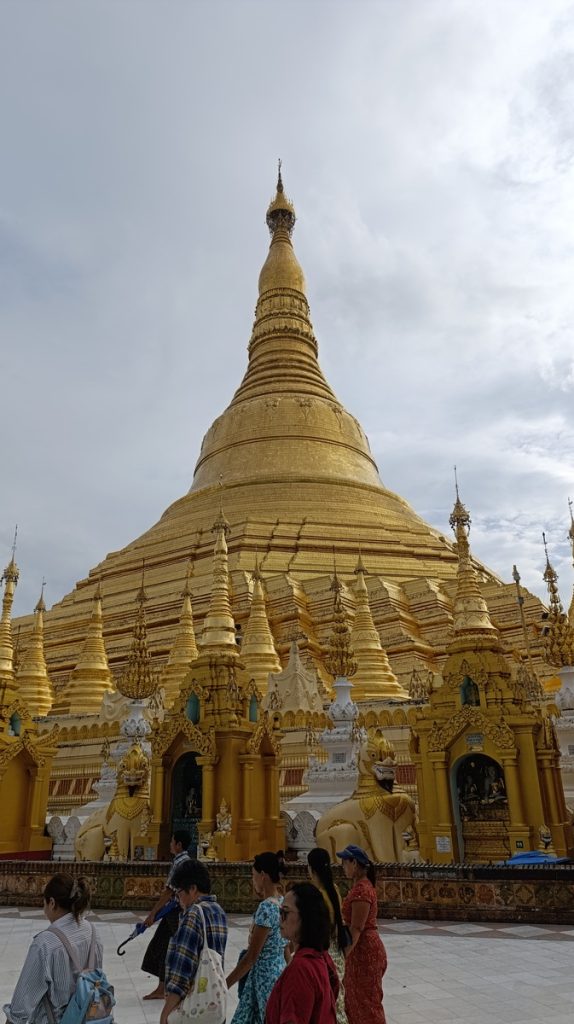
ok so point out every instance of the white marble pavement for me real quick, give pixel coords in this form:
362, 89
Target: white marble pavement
439, 973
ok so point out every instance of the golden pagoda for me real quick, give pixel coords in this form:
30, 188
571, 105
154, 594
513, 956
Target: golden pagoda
258, 650
184, 648
91, 677
375, 679
486, 754
32, 679
300, 481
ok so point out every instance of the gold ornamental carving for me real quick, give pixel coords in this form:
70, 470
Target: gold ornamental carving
441, 738
203, 742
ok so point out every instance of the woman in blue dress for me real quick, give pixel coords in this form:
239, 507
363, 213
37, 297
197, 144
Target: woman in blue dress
262, 963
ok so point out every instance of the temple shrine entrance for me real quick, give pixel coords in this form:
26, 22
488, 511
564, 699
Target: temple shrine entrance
186, 796
482, 809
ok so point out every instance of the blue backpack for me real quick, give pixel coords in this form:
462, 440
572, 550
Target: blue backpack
93, 997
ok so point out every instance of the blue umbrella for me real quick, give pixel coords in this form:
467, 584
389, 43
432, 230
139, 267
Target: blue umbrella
141, 927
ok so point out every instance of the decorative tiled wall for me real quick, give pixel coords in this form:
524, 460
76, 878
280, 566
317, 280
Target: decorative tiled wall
427, 892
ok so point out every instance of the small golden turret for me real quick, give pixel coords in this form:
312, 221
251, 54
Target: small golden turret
33, 682
375, 679
91, 678
558, 635
139, 681
184, 648
470, 612
339, 660
258, 650
218, 626
10, 578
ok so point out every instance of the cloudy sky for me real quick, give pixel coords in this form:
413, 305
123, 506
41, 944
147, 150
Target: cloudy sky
428, 147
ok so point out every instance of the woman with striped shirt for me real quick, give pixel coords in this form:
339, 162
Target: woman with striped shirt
47, 974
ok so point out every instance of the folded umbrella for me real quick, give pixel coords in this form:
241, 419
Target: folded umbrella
141, 927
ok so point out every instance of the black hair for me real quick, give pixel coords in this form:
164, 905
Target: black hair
70, 894
315, 929
191, 872
370, 868
273, 864
181, 836
320, 863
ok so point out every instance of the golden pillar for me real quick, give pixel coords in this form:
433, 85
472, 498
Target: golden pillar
207, 763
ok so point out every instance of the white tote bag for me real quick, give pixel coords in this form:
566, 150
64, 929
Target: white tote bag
207, 1001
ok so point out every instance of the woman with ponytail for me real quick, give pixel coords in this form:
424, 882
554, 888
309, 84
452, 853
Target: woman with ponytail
262, 963
47, 983
321, 875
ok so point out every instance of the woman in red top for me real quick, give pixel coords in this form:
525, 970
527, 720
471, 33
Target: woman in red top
306, 992
366, 957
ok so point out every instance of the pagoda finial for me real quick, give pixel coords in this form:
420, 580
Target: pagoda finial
470, 611
558, 634
339, 660
141, 596
184, 648
360, 568
218, 625
520, 603
139, 680
41, 606
571, 530
281, 212
10, 578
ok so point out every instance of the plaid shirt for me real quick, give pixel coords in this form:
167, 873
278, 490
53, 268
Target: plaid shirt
186, 945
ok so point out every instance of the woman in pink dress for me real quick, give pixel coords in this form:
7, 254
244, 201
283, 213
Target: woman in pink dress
366, 957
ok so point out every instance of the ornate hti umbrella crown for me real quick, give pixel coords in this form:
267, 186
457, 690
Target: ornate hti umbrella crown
281, 212
139, 681
11, 573
559, 636
339, 660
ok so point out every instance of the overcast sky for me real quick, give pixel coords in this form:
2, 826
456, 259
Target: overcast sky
428, 148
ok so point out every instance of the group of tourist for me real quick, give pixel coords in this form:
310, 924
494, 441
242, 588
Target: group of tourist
311, 958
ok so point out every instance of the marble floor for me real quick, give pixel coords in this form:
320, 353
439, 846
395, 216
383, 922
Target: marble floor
439, 973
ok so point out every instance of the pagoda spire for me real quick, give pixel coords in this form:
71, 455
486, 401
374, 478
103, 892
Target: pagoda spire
471, 617
339, 661
283, 347
184, 648
139, 681
558, 638
218, 625
375, 679
258, 651
33, 682
91, 678
10, 578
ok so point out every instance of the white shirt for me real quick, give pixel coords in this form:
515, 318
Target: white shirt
47, 971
